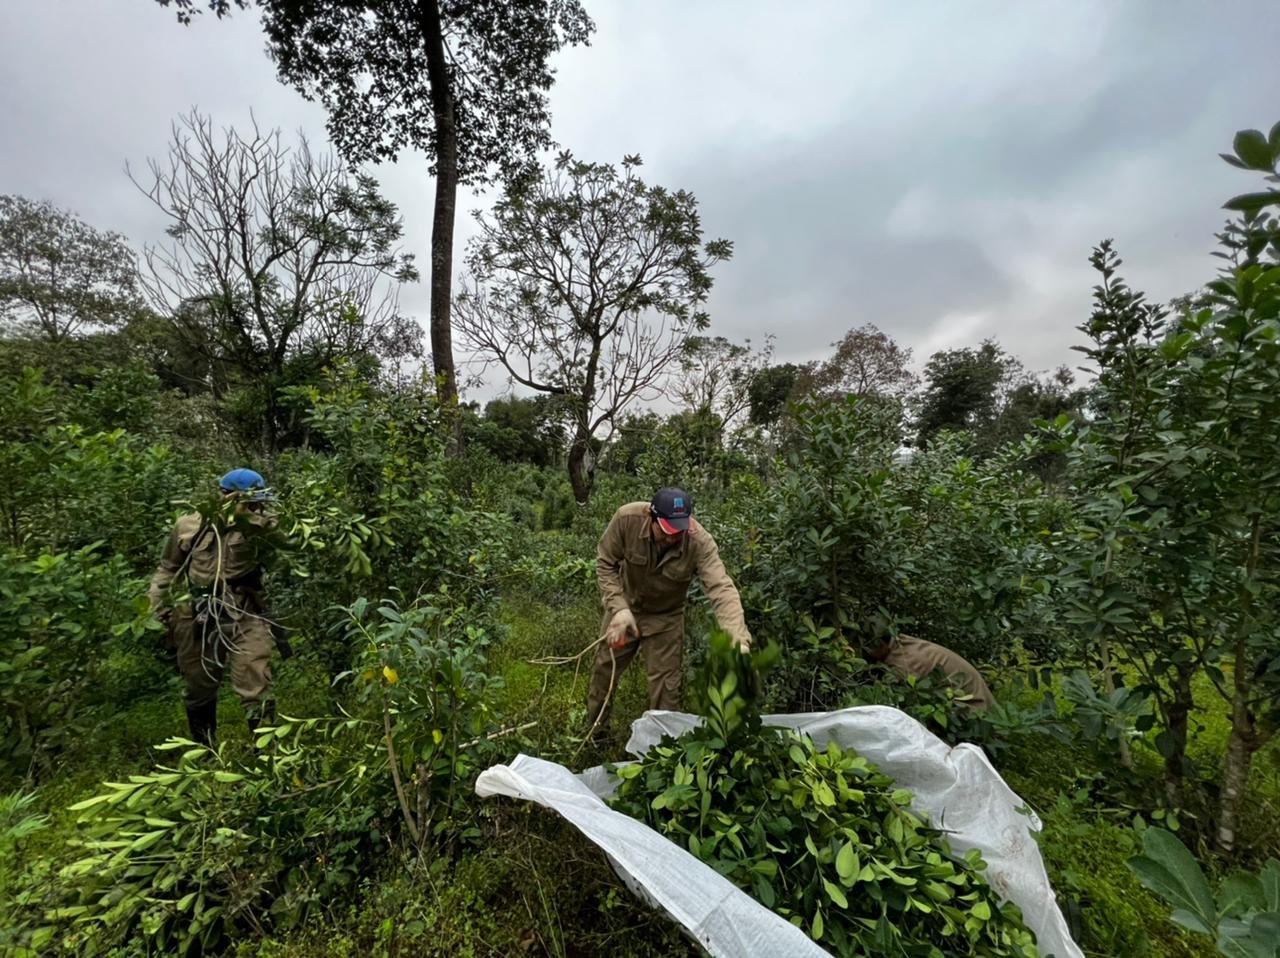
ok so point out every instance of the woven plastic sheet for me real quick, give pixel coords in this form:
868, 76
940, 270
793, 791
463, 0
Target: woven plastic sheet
957, 788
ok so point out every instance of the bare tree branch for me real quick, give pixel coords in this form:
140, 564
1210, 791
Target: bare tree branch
274, 254
584, 284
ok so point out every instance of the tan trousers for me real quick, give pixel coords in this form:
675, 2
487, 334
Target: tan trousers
242, 644
663, 652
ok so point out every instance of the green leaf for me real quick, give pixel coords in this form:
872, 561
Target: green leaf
1258, 938
1252, 202
147, 840
847, 862
764, 891
1170, 871
835, 893
816, 929
1239, 893
1252, 147
88, 803
1270, 878
767, 867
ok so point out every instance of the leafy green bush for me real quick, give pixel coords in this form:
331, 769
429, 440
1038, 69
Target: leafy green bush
818, 835
376, 512
183, 856
63, 613
945, 709
67, 486
1171, 567
423, 669
851, 528
196, 851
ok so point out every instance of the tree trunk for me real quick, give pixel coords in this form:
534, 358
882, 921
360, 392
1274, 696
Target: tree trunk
1109, 684
1176, 719
271, 415
581, 469
1241, 745
1108, 675
1244, 739
442, 111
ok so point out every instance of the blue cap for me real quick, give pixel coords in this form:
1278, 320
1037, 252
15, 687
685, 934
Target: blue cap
672, 507
245, 480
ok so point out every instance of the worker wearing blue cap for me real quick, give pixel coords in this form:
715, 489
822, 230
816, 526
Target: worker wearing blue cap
208, 592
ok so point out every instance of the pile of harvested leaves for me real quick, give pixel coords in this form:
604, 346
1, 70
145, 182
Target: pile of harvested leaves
818, 835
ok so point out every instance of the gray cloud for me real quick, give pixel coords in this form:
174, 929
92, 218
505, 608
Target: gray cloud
939, 170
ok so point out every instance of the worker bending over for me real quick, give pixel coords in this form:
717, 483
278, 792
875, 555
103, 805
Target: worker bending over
645, 562
911, 656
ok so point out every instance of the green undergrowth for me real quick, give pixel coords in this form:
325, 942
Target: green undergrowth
538, 887
530, 884
551, 699
1090, 808
1086, 840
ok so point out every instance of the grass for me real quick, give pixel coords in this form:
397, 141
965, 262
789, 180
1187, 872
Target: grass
532, 885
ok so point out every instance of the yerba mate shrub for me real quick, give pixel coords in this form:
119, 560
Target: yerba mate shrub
818, 835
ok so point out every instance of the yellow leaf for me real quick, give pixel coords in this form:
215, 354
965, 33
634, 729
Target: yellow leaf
437, 736
390, 675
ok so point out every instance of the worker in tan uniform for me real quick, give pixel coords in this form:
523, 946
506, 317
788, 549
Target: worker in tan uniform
911, 656
645, 563
207, 591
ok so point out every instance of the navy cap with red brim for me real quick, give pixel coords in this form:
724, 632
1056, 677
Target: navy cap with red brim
673, 526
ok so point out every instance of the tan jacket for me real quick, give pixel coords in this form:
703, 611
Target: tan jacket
217, 558
920, 658
633, 576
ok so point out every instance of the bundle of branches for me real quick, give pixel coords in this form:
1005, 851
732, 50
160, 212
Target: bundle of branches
818, 835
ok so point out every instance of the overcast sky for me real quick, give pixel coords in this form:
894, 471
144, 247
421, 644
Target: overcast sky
938, 169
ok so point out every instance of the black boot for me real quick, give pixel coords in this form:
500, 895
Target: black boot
202, 720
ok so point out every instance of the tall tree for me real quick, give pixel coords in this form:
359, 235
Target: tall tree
521, 429
59, 275
275, 256
585, 283
769, 391
465, 81
866, 363
964, 388
715, 375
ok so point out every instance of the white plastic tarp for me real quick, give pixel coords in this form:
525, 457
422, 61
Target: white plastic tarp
957, 788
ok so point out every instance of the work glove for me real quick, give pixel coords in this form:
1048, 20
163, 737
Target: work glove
622, 629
